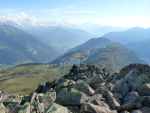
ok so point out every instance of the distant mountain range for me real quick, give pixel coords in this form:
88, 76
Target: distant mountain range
47, 44
18, 46
132, 35
100, 51
99, 30
135, 39
36, 44
61, 38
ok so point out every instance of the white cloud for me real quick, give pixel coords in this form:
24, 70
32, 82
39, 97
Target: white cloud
21, 19
69, 16
127, 21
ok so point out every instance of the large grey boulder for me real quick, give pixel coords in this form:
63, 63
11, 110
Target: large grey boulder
111, 100
145, 89
91, 108
136, 111
95, 80
71, 96
131, 97
64, 83
40, 102
56, 108
84, 87
109, 97
98, 99
125, 112
131, 82
2, 108
145, 100
145, 109
129, 107
142, 110
26, 108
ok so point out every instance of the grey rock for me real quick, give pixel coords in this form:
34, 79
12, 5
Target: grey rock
136, 111
2, 108
145, 90
84, 87
56, 108
131, 97
125, 112
129, 107
91, 108
145, 100
113, 103
97, 99
71, 97
145, 109
142, 110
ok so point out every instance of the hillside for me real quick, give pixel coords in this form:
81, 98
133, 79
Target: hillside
17, 46
99, 51
114, 57
83, 50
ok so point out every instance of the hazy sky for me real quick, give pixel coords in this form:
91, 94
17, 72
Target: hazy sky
122, 13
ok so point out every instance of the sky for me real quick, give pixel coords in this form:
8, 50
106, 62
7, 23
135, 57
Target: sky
115, 13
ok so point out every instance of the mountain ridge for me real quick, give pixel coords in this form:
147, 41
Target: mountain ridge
99, 51
136, 39
18, 46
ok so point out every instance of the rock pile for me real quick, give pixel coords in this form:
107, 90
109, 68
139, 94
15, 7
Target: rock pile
89, 89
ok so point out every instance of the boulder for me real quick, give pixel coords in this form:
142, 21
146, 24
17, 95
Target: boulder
122, 86
145, 90
56, 108
145, 109
145, 100
126, 84
101, 89
142, 110
111, 100
125, 112
129, 107
26, 108
2, 108
131, 97
108, 95
91, 108
64, 83
97, 99
84, 87
11, 106
41, 102
95, 80
71, 96
136, 111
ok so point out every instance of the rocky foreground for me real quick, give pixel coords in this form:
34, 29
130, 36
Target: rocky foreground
87, 89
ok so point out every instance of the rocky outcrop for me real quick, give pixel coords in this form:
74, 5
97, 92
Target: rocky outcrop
88, 89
